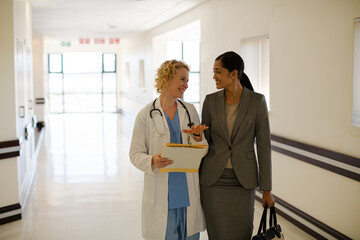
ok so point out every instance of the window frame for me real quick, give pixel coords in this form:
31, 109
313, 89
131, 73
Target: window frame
355, 120
62, 94
49, 62
260, 86
103, 63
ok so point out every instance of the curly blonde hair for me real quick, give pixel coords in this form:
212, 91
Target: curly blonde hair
166, 72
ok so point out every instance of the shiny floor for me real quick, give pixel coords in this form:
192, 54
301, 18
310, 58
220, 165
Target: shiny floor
86, 187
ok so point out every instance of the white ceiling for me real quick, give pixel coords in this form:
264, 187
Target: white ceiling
104, 18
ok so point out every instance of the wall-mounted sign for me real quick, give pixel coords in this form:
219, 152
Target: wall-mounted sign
99, 41
114, 40
84, 40
65, 44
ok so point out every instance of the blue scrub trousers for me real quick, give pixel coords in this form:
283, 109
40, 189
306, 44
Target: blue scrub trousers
176, 225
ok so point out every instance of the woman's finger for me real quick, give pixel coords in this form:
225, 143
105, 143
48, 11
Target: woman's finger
197, 129
163, 162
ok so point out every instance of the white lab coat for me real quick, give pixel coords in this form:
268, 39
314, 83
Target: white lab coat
146, 142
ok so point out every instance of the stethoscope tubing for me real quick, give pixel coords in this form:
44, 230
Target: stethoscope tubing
187, 112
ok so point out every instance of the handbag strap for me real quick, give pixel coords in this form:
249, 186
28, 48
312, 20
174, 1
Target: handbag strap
276, 227
262, 225
272, 217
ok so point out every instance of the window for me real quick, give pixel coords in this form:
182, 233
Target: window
55, 63
82, 62
174, 50
356, 78
189, 52
82, 82
256, 56
109, 62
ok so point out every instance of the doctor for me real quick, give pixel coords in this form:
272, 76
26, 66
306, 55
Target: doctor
171, 206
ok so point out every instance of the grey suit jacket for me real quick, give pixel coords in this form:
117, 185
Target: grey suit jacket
251, 123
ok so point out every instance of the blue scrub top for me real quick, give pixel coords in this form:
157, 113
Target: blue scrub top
178, 189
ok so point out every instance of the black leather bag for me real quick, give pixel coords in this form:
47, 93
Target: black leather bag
274, 232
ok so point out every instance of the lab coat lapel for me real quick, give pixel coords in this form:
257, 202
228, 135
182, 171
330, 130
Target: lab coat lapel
158, 106
182, 113
221, 115
244, 105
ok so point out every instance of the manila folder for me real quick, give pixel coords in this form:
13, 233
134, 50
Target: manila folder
186, 157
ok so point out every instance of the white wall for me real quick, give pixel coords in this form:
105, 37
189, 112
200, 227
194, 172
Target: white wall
15, 91
7, 59
311, 91
311, 61
24, 94
38, 76
131, 97
8, 167
311, 67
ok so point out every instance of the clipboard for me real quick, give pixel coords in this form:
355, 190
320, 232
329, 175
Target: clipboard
186, 157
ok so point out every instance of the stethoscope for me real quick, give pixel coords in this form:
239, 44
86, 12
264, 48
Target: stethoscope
154, 109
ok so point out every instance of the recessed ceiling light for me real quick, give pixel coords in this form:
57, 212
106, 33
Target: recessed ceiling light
111, 25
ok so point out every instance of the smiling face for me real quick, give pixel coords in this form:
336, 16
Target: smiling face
178, 84
222, 76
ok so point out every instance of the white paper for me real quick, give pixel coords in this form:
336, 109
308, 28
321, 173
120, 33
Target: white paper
183, 157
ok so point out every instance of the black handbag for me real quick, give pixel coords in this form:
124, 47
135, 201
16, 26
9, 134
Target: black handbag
274, 232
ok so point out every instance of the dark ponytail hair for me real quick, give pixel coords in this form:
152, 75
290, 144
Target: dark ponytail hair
232, 61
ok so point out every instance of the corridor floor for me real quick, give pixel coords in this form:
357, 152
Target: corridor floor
86, 187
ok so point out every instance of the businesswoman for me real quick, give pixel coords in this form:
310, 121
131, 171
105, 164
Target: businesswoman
236, 117
171, 207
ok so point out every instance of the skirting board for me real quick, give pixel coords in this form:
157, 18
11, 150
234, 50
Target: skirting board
13, 212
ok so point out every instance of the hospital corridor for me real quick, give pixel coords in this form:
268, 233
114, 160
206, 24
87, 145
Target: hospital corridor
86, 186
269, 88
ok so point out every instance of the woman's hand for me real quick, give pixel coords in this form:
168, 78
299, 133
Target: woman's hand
160, 162
196, 131
268, 198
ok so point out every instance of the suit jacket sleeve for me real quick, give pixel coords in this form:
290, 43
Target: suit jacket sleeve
263, 145
205, 119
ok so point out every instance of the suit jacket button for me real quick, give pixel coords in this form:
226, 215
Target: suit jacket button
230, 148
